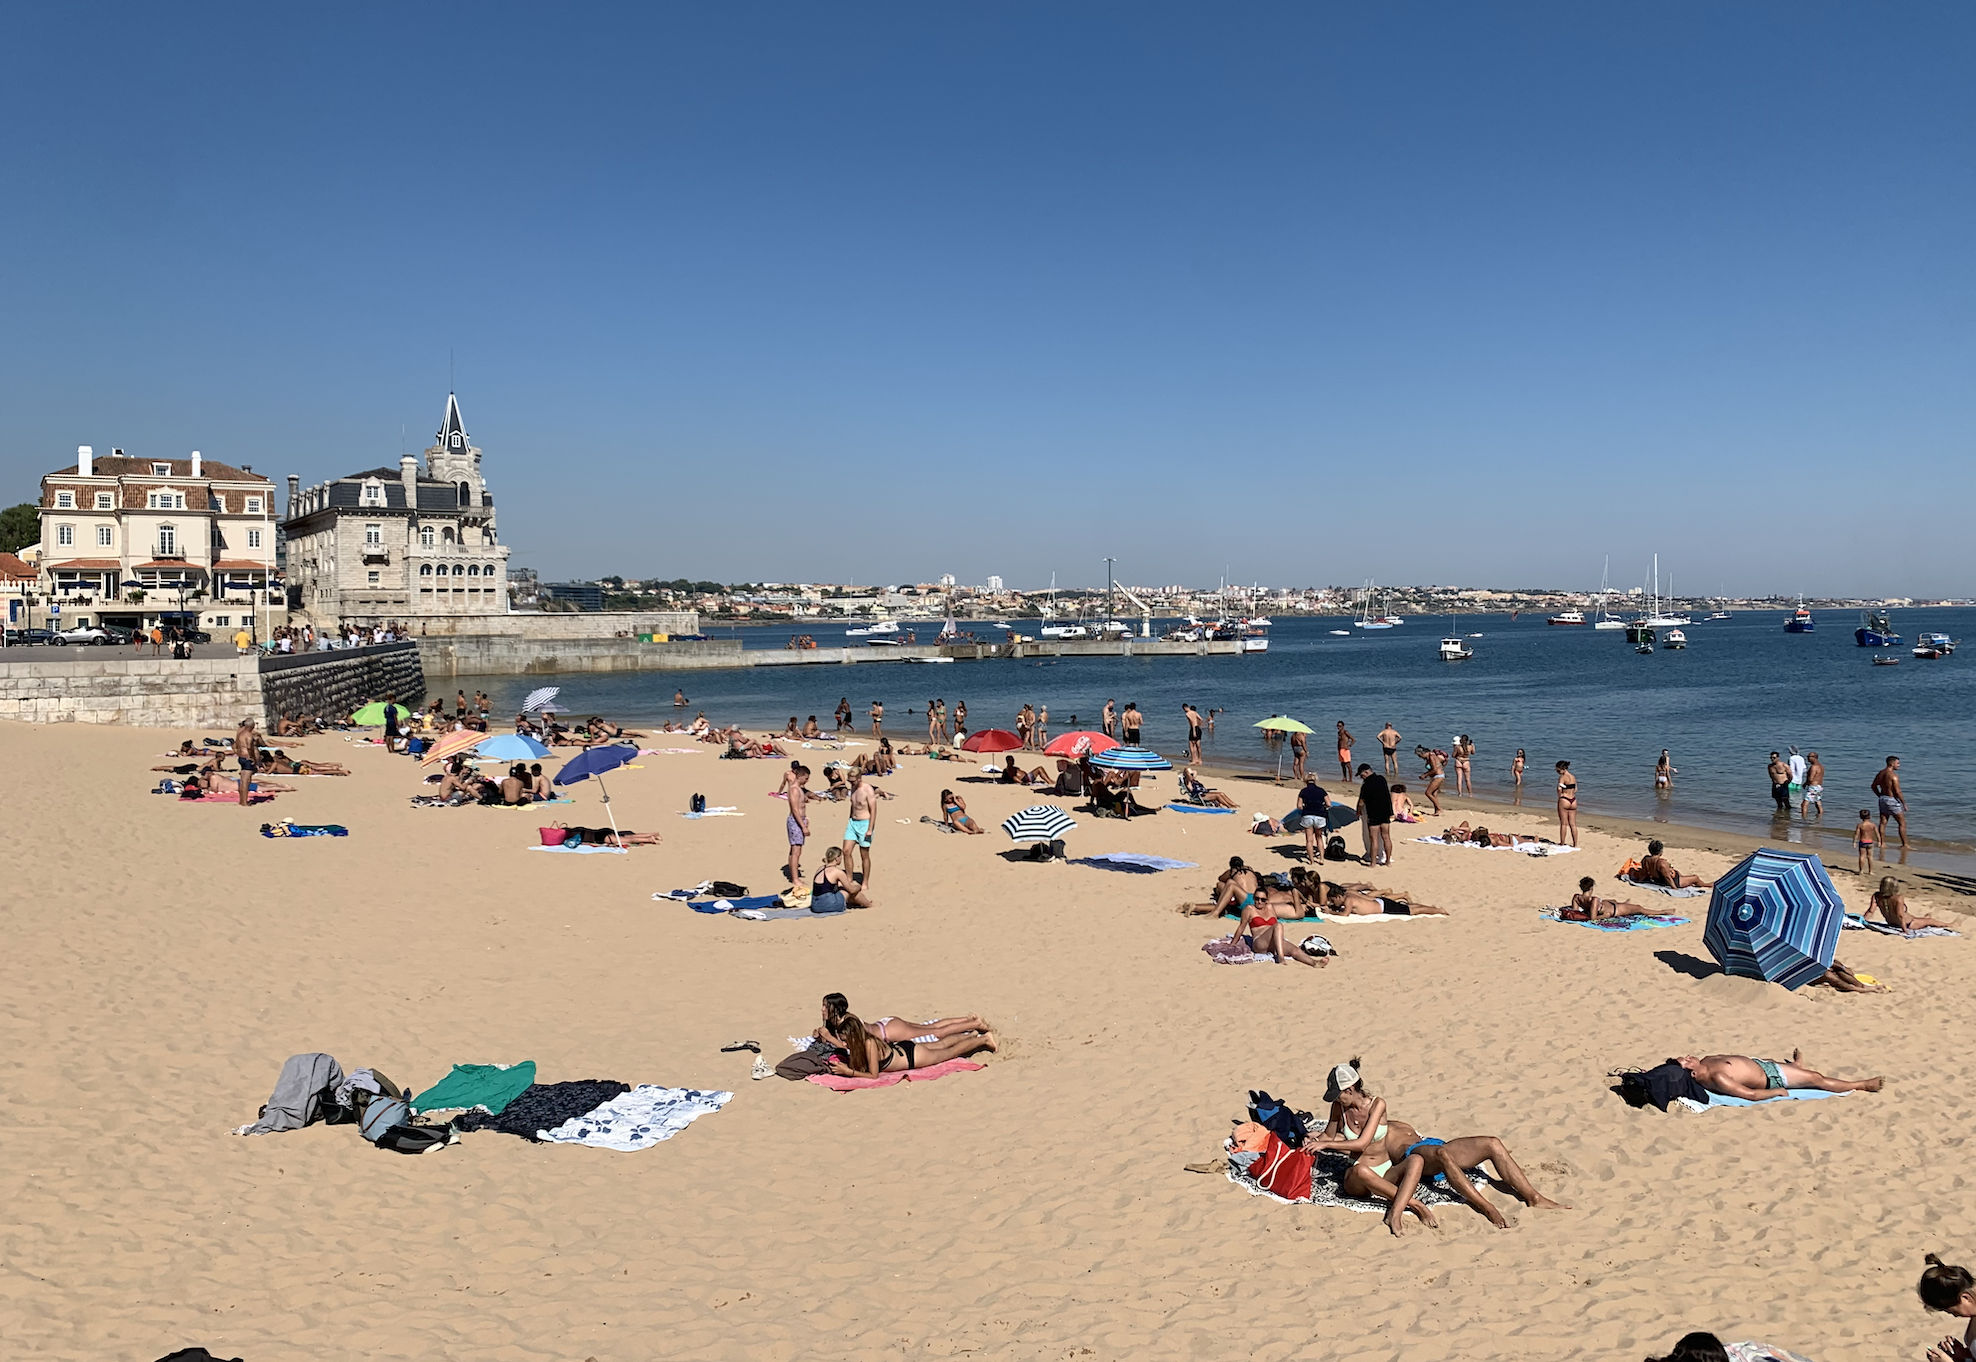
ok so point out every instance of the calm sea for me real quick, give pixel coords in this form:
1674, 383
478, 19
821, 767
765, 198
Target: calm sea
1741, 688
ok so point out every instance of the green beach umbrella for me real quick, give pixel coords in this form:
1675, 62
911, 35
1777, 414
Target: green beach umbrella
372, 715
1282, 723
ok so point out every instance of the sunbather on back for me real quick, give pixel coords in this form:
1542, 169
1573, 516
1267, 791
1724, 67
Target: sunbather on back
1764, 1080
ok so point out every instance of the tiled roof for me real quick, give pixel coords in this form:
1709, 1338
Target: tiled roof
110, 466
84, 564
10, 566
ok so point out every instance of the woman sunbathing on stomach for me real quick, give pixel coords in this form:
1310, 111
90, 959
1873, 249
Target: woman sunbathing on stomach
868, 1057
1365, 901
1482, 837
1589, 907
836, 1006
1387, 1146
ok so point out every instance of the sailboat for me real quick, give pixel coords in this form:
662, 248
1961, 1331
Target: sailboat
1366, 619
1606, 620
1661, 617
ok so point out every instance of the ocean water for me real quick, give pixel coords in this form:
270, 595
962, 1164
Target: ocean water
1741, 688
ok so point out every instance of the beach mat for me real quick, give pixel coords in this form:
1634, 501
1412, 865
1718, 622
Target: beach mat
1134, 862
1855, 923
1638, 922
1198, 808
287, 829
837, 1083
1328, 1173
1716, 1099
1539, 849
584, 850
730, 905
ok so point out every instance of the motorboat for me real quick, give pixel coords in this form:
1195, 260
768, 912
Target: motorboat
873, 630
1178, 635
1253, 635
1931, 646
1884, 661
1800, 621
1642, 638
1638, 630
1257, 622
1567, 617
1717, 615
1675, 641
1876, 630
1064, 631
1341, 633
928, 659
1455, 649
1389, 621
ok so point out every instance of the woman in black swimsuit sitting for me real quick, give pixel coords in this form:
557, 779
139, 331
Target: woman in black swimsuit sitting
868, 1057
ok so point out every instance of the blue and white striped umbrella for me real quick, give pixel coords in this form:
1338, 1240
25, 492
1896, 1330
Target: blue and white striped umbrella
1775, 916
1132, 759
538, 698
1038, 823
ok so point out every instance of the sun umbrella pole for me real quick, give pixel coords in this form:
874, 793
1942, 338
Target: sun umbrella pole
608, 814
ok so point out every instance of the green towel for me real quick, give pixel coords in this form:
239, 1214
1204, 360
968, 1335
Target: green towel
482, 1087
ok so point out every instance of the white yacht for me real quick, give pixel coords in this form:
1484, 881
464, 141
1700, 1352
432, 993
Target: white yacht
883, 627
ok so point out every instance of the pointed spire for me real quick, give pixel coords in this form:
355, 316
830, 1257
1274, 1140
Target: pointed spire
453, 433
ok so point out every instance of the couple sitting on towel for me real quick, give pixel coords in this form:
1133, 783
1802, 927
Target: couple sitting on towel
869, 1049
1392, 1158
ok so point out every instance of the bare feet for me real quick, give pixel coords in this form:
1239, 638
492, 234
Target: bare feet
1544, 1203
1873, 1085
988, 1041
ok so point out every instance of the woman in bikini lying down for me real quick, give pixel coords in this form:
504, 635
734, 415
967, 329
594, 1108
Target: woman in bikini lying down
1589, 907
1482, 837
836, 1007
1393, 1158
1365, 901
868, 1056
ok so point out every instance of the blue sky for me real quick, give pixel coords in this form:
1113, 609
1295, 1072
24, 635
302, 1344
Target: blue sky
1302, 293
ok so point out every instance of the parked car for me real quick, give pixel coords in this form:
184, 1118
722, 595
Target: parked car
84, 633
20, 636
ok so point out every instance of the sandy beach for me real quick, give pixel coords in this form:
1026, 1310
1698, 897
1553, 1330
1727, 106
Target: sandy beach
164, 959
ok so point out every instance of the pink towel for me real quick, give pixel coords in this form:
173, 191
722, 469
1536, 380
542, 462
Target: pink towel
952, 1066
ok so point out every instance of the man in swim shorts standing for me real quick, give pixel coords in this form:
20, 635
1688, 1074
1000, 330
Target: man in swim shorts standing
798, 821
1887, 786
1814, 787
1375, 810
1389, 743
877, 718
1130, 722
1780, 784
1193, 734
857, 831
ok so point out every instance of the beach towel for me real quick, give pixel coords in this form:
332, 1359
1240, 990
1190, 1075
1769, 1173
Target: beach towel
306, 1086
1691, 892
477, 1087
1197, 808
1532, 849
728, 812
585, 850
255, 795
638, 1119
1716, 1099
1133, 862
1366, 919
838, 1083
1637, 922
671, 751
287, 829
544, 1106
1855, 923
1327, 1173
1234, 950
730, 905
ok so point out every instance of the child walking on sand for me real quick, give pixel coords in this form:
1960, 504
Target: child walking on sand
1863, 838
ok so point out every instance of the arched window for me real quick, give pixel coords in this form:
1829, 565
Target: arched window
463, 487
458, 569
449, 534
473, 570
167, 540
425, 536
425, 569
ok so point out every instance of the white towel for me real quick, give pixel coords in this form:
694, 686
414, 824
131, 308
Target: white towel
638, 1119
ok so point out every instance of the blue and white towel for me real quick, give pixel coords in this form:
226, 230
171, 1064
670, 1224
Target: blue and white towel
638, 1119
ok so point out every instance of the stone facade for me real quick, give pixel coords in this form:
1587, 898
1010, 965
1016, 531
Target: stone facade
196, 535
217, 692
391, 544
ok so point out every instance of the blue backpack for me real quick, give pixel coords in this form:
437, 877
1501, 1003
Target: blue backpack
1289, 1126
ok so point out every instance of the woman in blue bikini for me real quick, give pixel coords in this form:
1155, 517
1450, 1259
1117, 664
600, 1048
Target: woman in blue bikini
1394, 1158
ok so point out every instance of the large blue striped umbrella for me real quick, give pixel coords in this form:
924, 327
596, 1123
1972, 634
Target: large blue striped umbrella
1132, 759
1038, 823
1775, 916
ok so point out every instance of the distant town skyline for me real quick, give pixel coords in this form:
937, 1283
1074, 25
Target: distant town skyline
1422, 292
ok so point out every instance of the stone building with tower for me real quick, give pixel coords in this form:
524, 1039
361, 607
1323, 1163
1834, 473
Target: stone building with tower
398, 544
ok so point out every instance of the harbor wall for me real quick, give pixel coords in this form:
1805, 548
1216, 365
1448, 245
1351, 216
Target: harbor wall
501, 655
107, 686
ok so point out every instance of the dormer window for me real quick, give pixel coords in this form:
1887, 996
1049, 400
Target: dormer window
373, 494
162, 470
165, 501
102, 501
253, 505
217, 502
65, 501
458, 441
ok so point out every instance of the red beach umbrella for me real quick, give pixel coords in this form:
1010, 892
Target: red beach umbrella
1079, 744
992, 740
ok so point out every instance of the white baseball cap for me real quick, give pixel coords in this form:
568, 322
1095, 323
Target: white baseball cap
1342, 1077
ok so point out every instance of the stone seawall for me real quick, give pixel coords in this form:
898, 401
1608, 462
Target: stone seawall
338, 682
108, 686
510, 655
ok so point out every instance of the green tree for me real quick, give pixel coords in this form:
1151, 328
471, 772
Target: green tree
19, 526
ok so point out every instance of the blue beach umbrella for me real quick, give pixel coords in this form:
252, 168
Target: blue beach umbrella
1038, 823
594, 761
1131, 759
1775, 916
510, 747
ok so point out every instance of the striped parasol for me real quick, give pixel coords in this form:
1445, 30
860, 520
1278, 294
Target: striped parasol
1038, 823
1775, 915
538, 698
1132, 759
451, 743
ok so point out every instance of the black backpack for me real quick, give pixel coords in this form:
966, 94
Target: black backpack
1334, 850
697, 804
1274, 1116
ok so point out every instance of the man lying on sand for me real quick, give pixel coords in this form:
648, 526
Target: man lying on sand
607, 837
1394, 1158
1657, 869
1764, 1080
1365, 901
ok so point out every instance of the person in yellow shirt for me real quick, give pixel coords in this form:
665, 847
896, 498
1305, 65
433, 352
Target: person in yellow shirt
242, 641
